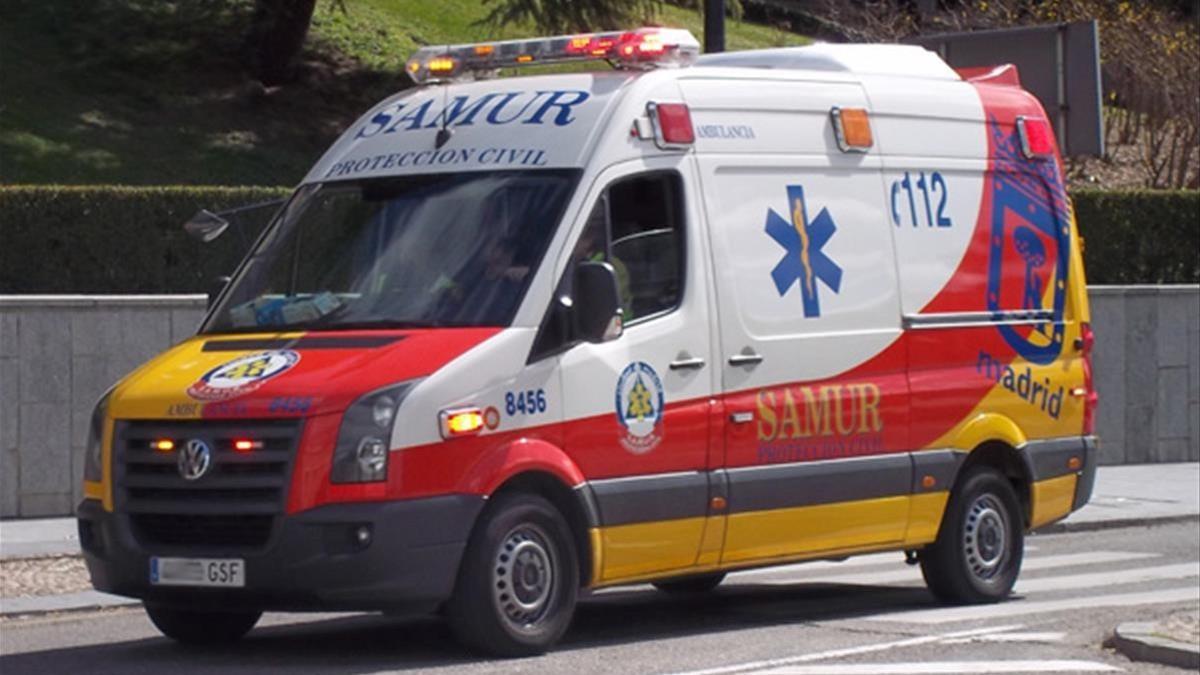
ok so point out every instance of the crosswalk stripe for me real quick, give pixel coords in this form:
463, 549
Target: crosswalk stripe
913, 574
1104, 579
952, 667
849, 651
1020, 608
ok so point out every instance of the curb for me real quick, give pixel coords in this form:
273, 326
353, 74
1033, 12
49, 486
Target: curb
1115, 523
1139, 642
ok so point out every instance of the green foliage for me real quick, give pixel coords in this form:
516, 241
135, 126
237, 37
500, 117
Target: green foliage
1140, 236
113, 239
573, 16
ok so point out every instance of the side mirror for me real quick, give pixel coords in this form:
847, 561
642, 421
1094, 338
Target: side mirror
214, 291
596, 303
207, 225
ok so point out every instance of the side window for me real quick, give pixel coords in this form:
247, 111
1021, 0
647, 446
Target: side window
636, 226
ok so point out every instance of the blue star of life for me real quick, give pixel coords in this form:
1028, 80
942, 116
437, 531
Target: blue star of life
804, 263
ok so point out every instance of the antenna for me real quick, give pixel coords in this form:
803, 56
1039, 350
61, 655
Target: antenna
444, 134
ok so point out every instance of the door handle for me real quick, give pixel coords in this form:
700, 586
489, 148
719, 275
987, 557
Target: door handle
745, 359
686, 363
742, 417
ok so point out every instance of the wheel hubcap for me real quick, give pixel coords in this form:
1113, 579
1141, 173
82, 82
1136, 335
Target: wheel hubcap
985, 537
523, 576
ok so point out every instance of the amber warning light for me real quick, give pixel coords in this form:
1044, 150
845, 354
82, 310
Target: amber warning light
461, 422
642, 48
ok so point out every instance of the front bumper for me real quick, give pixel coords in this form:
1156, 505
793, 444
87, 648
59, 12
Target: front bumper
311, 561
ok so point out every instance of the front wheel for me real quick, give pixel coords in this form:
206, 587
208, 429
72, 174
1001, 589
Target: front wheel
978, 551
519, 579
194, 627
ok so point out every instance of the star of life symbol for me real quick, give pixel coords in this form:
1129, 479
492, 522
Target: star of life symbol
804, 263
639, 407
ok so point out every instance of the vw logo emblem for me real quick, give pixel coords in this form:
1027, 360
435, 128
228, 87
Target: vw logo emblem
194, 459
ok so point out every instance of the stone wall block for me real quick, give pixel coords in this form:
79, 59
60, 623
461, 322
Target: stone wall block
45, 446
42, 505
184, 323
1194, 432
1172, 408
1173, 311
45, 345
1108, 374
10, 489
144, 334
1171, 450
10, 402
1139, 434
89, 380
95, 331
8, 333
78, 455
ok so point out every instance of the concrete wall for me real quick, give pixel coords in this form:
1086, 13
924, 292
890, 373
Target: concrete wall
59, 354
1147, 372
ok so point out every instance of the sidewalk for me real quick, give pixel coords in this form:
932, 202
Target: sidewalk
1123, 496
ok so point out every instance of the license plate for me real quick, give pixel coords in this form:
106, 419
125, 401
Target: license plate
223, 572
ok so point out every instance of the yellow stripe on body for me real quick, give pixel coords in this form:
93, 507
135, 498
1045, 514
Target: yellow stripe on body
807, 529
1052, 499
925, 517
642, 548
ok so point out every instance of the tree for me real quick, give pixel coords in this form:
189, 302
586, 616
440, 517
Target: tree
276, 37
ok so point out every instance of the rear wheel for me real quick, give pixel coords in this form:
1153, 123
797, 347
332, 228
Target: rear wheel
978, 551
194, 627
700, 584
518, 581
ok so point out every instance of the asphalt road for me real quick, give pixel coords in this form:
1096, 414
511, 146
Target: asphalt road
865, 615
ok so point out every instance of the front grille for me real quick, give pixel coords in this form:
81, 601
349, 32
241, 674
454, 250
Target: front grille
234, 504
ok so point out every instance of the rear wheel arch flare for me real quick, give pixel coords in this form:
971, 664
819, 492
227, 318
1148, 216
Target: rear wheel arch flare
568, 501
1008, 462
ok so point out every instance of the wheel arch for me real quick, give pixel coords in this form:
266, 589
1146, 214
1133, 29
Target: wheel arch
1009, 462
534, 466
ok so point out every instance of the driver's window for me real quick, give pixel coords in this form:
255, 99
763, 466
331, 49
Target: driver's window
637, 227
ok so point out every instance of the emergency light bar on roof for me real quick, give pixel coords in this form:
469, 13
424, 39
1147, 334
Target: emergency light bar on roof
641, 48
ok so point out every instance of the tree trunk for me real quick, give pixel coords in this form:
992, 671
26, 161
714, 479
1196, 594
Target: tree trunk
276, 37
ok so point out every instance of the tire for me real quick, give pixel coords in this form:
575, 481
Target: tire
977, 555
193, 627
518, 581
688, 585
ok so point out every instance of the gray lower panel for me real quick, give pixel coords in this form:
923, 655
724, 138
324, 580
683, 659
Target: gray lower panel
646, 498
1048, 459
941, 465
824, 482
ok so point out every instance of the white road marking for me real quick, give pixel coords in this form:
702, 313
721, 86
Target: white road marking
1008, 637
890, 558
952, 667
1021, 608
849, 651
913, 574
1105, 579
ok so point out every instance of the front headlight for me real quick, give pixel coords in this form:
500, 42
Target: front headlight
93, 462
361, 455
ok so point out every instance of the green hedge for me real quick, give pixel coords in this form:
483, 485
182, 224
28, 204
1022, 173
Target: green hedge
109, 239
1140, 236
113, 239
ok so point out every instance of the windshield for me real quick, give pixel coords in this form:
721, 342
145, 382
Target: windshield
434, 250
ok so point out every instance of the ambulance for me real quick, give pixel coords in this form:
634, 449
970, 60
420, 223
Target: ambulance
514, 339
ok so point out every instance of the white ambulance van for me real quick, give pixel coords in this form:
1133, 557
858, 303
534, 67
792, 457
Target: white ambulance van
516, 338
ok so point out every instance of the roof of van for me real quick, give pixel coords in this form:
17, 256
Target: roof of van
884, 59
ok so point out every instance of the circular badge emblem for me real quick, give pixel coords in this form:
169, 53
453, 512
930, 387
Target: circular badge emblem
242, 375
639, 401
195, 457
491, 418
